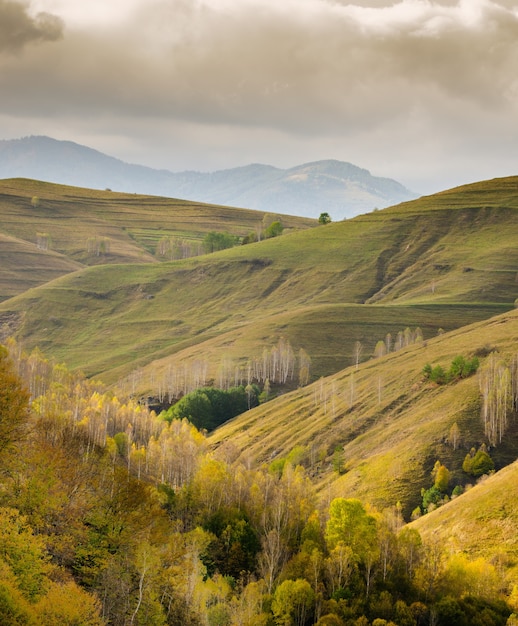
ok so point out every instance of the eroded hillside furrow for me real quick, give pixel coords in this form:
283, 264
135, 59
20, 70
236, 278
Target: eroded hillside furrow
440, 236
276, 283
408, 249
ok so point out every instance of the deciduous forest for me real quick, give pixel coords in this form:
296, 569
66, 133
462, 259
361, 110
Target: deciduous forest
112, 515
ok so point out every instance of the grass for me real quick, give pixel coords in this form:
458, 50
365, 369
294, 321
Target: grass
131, 224
448, 261
392, 424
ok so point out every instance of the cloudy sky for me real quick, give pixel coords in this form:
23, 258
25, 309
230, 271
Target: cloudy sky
424, 91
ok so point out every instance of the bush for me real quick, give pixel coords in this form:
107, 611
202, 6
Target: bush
208, 407
460, 368
478, 463
274, 230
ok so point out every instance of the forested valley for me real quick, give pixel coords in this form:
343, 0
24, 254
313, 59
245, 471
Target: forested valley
111, 515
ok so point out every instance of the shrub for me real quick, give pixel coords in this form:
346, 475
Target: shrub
460, 368
478, 463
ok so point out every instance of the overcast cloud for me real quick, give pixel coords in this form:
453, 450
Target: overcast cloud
419, 90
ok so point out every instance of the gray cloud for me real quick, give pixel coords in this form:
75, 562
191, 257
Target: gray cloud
301, 72
18, 28
281, 67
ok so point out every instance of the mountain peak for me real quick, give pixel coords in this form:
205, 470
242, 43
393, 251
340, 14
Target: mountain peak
338, 187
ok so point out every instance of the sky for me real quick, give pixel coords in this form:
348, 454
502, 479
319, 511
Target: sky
423, 91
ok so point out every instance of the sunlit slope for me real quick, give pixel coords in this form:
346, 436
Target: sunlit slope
105, 318
24, 263
391, 423
467, 257
481, 522
99, 227
328, 333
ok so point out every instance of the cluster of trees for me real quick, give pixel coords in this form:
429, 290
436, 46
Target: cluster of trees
439, 493
460, 368
208, 407
144, 525
402, 339
278, 365
477, 463
214, 241
98, 245
175, 248
273, 229
499, 388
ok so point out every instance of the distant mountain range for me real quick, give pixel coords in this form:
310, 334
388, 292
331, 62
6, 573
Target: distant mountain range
339, 188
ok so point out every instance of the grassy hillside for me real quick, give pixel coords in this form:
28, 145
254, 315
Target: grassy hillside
482, 522
447, 264
328, 333
453, 254
99, 227
23, 265
391, 423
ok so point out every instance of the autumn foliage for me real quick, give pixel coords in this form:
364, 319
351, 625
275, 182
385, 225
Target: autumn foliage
110, 515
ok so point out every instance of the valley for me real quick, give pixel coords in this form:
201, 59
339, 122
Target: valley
354, 312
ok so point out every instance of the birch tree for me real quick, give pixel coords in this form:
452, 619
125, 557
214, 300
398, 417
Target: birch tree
357, 353
495, 387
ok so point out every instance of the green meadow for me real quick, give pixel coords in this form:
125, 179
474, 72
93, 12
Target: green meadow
116, 286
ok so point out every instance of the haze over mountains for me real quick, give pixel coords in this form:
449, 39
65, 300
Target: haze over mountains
339, 188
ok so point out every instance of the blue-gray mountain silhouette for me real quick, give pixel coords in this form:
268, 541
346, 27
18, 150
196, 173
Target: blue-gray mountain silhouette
336, 187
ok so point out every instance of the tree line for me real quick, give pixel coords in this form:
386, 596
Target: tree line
278, 365
109, 515
174, 248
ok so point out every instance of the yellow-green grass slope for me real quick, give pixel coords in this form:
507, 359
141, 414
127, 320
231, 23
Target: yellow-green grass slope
482, 522
439, 262
23, 265
92, 227
391, 423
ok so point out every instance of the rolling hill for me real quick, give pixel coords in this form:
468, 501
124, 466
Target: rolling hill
439, 262
391, 423
446, 264
51, 230
340, 188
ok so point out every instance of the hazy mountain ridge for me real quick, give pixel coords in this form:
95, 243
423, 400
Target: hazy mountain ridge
339, 188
